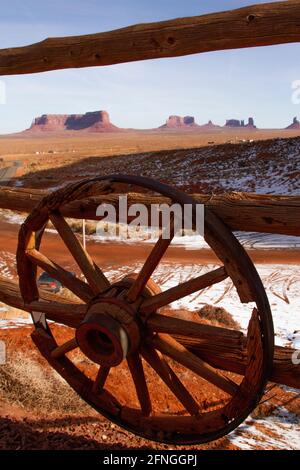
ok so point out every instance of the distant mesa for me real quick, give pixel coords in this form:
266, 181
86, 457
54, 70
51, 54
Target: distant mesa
97, 121
178, 122
295, 124
236, 123
233, 123
186, 122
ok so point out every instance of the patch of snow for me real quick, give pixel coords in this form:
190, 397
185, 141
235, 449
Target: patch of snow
15, 323
281, 430
12, 217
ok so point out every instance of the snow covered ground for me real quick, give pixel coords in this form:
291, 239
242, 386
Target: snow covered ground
279, 431
14, 322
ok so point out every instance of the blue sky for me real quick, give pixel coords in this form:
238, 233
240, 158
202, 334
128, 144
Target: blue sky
219, 85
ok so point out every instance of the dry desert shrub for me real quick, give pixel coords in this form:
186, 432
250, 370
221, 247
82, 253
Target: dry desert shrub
76, 226
28, 383
263, 410
218, 316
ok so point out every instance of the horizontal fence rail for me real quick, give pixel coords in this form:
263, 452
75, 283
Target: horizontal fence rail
240, 211
258, 25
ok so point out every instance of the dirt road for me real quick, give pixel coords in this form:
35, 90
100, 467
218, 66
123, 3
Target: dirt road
9, 172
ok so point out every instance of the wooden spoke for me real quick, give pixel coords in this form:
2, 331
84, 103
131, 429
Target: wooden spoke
168, 376
189, 329
137, 371
152, 261
100, 379
67, 314
172, 348
186, 288
67, 279
64, 348
95, 277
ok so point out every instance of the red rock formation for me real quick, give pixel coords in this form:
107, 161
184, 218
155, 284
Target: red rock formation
240, 124
49, 122
251, 124
189, 121
295, 124
178, 122
97, 121
209, 126
233, 123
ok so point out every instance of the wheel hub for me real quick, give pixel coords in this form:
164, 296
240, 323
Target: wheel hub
109, 332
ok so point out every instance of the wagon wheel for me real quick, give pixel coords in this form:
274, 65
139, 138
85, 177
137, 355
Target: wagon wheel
122, 323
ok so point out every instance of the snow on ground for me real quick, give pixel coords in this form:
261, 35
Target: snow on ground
14, 322
12, 217
7, 264
280, 431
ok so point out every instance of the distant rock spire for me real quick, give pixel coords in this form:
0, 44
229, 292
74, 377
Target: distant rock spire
295, 124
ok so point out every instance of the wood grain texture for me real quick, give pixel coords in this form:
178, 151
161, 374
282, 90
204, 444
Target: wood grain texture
168, 376
64, 348
240, 211
206, 422
138, 376
168, 346
150, 264
186, 288
100, 379
91, 271
248, 395
257, 25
